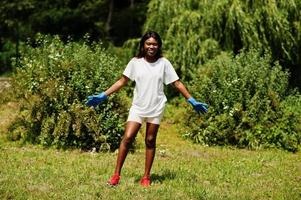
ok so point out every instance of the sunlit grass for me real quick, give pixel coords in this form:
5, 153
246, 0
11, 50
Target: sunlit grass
181, 170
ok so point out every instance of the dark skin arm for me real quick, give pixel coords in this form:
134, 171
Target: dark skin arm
124, 80
181, 88
117, 85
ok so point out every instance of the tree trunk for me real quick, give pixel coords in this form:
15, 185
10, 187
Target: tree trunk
132, 4
131, 18
109, 19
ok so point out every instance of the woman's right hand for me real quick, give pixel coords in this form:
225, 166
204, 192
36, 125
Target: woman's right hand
94, 100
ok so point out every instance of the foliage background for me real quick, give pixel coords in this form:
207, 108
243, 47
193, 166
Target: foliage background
106, 20
195, 31
241, 57
251, 104
52, 86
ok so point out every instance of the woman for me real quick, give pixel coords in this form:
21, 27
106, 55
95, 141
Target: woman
149, 69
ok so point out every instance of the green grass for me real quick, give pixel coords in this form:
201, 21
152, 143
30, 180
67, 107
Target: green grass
181, 170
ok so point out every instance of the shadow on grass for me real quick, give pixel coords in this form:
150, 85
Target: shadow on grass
161, 177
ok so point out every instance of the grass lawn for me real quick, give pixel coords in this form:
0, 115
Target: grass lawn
181, 170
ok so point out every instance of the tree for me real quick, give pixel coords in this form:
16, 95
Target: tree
195, 30
106, 20
13, 15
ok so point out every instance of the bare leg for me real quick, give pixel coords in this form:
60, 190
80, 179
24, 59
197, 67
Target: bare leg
131, 131
150, 143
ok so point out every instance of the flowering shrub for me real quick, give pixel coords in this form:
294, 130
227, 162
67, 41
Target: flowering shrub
52, 86
250, 104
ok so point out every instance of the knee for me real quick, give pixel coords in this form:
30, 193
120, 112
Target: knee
150, 142
127, 140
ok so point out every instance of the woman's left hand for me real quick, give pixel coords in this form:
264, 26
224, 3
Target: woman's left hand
198, 106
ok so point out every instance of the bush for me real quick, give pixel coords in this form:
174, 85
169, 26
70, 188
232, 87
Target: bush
52, 86
7, 50
250, 103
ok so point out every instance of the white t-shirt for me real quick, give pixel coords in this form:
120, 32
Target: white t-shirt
149, 98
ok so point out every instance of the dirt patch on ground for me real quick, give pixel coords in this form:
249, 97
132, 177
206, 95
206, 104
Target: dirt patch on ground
4, 83
8, 111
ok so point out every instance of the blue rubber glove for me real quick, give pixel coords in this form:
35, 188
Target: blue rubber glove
198, 106
94, 100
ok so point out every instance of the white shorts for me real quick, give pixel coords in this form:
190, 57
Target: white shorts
136, 118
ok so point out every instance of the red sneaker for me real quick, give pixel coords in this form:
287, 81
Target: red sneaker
114, 180
145, 181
